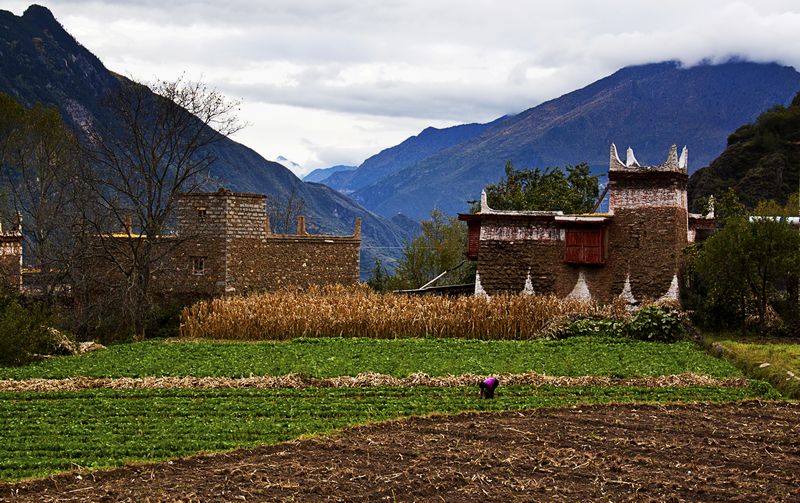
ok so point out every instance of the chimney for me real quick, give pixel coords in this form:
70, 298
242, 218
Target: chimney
301, 226
357, 231
128, 225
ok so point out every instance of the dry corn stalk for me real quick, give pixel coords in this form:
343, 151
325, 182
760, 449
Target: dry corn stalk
363, 380
338, 311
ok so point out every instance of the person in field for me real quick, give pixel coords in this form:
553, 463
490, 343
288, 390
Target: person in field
488, 386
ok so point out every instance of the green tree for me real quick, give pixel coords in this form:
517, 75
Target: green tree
379, 278
440, 246
572, 190
750, 262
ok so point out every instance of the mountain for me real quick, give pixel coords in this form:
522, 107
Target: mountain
41, 62
648, 107
320, 174
289, 164
761, 161
414, 149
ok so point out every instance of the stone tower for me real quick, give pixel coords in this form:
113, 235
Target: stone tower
651, 219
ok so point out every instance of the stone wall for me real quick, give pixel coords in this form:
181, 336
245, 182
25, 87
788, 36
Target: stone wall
647, 192
228, 234
246, 216
643, 247
11, 260
292, 261
646, 246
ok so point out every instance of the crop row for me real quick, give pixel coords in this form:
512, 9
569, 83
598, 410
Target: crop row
332, 357
337, 311
43, 433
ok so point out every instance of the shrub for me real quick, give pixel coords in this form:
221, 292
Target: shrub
24, 333
602, 326
654, 323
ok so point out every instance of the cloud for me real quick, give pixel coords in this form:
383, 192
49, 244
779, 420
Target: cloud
414, 61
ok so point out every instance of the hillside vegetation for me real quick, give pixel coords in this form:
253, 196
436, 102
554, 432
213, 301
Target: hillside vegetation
761, 161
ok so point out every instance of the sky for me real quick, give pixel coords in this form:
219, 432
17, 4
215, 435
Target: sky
334, 82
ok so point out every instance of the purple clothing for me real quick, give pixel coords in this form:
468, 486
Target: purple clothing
491, 382
488, 386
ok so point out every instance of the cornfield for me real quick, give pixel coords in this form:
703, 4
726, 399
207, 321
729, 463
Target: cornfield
337, 311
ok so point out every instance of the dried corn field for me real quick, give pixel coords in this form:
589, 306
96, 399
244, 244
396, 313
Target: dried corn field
338, 311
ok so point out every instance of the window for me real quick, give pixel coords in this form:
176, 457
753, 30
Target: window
201, 215
198, 266
584, 246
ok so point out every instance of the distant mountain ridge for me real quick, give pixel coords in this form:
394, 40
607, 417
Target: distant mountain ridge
41, 62
288, 163
648, 107
393, 159
321, 174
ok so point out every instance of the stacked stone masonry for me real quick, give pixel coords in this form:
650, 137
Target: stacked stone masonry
642, 238
11, 259
223, 245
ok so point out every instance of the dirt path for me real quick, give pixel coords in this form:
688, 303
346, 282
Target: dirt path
731, 452
360, 381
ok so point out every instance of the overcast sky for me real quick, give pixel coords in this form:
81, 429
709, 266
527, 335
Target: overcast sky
333, 82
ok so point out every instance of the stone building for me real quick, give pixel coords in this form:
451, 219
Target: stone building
222, 245
11, 258
635, 250
226, 246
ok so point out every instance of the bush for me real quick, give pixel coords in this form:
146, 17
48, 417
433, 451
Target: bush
654, 323
24, 333
593, 326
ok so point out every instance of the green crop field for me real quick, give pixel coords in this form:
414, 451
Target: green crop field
44, 433
776, 362
331, 357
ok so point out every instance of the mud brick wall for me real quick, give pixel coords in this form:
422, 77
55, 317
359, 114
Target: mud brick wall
644, 244
512, 248
189, 221
647, 243
292, 261
504, 267
11, 261
239, 256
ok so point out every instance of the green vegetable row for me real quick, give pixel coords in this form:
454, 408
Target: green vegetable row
331, 357
44, 433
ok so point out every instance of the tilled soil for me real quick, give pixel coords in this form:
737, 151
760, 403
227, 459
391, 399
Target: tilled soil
700, 452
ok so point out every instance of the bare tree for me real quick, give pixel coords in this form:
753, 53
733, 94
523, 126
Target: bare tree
40, 159
283, 211
158, 148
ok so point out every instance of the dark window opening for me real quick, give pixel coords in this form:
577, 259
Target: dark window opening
198, 266
473, 239
201, 215
585, 246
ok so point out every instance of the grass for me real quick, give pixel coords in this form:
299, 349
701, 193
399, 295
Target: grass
778, 363
331, 357
45, 433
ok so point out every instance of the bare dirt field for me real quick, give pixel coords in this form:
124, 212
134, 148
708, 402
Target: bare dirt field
699, 452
